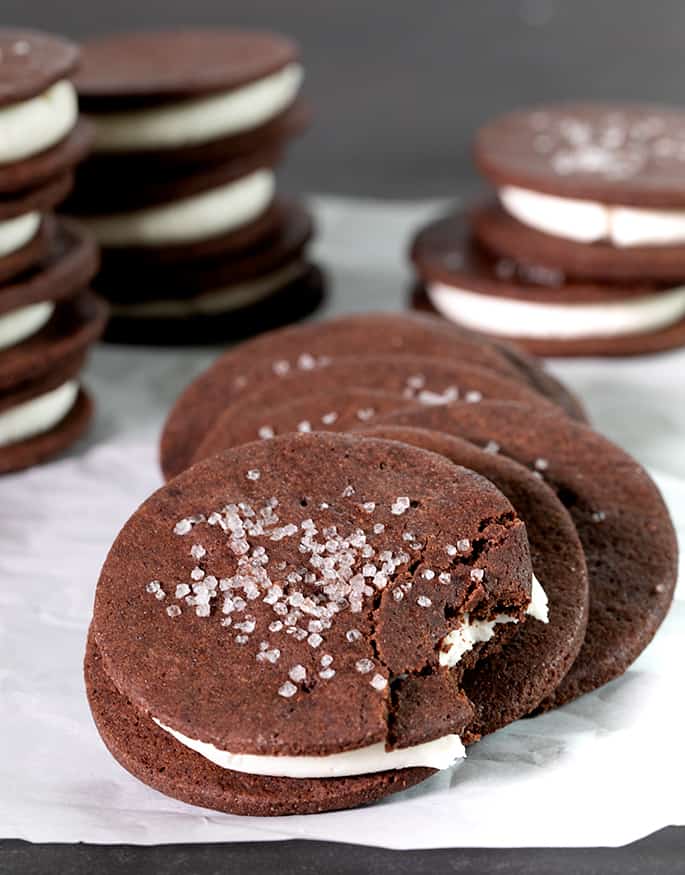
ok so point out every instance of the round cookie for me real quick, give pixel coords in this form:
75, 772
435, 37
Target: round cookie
624, 527
44, 166
31, 62
181, 282
463, 281
337, 409
133, 69
76, 323
365, 671
294, 300
317, 398
96, 195
510, 684
40, 199
623, 153
69, 264
23, 259
575, 261
302, 348
38, 449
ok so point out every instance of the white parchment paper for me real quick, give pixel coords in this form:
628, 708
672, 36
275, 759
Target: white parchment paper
604, 770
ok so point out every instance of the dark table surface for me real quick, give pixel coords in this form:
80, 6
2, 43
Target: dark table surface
398, 88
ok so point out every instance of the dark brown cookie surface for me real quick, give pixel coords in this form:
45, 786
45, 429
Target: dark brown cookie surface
68, 265
579, 262
294, 300
305, 347
31, 62
623, 525
76, 323
42, 447
509, 684
349, 542
39, 199
622, 153
324, 398
137, 69
14, 264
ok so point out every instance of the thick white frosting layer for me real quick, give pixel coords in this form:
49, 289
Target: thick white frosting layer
17, 325
17, 232
589, 221
202, 120
535, 319
38, 415
438, 754
216, 301
31, 126
471, 632
199, 217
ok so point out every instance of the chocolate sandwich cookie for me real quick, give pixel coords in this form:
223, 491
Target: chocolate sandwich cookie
28, 303
330, 576
507, 685
21, 216
288, 299
75, 324
22, 259
41, 417
225, 91
538, 307
40, 136
304, 348
624, 527
325, 398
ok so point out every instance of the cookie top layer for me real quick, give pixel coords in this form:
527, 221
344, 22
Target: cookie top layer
137, 69
317, 399
445, 252
509, 684
614, 153
303, 348
342, 540
30, 62
623, 525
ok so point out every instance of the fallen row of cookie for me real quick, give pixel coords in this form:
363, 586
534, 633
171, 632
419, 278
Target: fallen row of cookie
381, 539
581, 252
48, 318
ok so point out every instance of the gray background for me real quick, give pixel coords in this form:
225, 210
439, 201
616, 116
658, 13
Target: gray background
399, 85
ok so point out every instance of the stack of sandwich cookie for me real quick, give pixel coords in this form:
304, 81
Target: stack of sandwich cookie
582, 252
338, 588
180, 188
48, 319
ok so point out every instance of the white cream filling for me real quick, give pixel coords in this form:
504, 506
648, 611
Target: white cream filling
17, 325
538, 320
441, 753
471, 632
17, 232
38, 415
197, 217
187, 123
589, 221
217, 301
31, 126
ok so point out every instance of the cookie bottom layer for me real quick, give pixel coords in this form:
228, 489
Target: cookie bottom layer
157, 759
